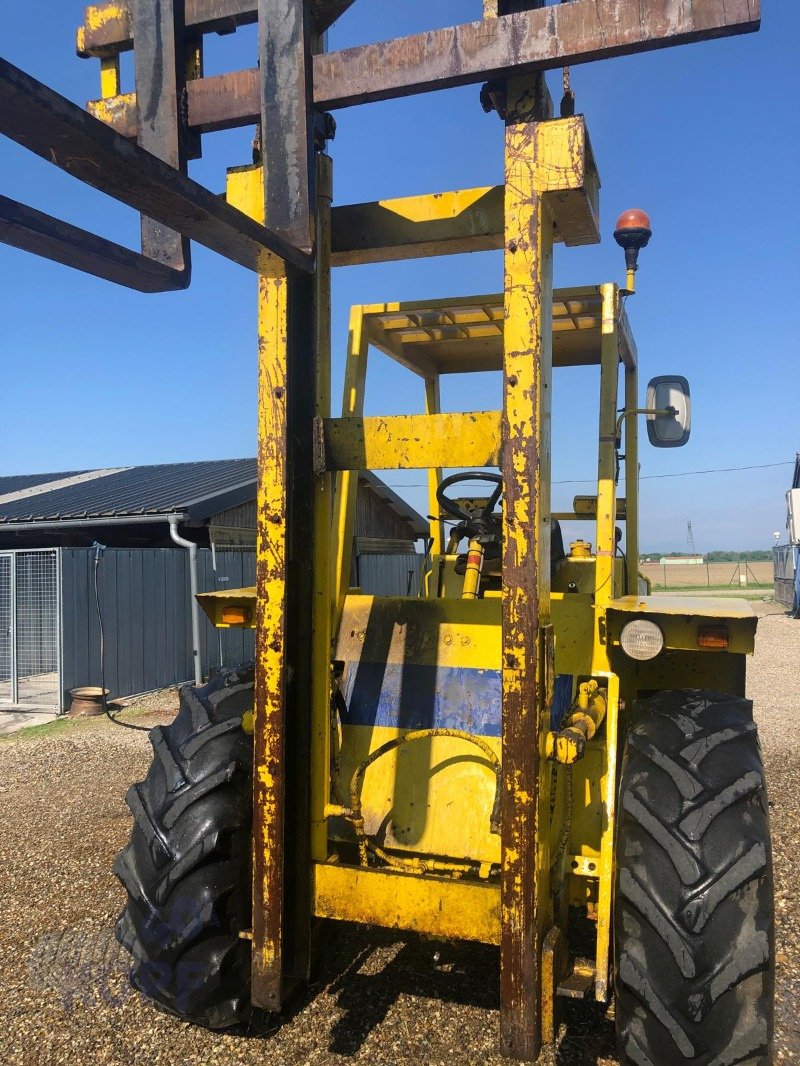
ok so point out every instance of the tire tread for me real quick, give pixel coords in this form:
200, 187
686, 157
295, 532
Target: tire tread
186, 869
694, 927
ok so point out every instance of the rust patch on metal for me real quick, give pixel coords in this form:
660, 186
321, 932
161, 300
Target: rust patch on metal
107, 28
269, 772
528, 286
456, 55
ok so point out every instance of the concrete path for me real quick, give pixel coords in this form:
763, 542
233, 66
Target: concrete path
11, 721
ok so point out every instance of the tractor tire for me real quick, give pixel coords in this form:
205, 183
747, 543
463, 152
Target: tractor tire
187, 866
693, 898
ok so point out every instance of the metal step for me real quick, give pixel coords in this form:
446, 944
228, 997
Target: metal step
579, 984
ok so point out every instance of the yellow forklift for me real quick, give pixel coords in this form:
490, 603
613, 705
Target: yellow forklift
532, 752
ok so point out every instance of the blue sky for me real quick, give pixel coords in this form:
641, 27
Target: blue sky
704, 137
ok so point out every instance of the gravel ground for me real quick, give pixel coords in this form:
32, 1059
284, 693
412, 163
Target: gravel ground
380, 999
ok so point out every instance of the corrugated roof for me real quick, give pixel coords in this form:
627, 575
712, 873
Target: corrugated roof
199, 489
15, 482
196, 489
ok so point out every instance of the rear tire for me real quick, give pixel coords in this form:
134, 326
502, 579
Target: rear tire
187, 866
693, 900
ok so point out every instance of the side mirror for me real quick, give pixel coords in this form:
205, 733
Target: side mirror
669, 411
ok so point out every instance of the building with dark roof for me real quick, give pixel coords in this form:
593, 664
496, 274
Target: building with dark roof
149, 536
130, 505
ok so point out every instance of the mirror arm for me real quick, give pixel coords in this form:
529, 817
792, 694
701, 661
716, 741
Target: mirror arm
655, 412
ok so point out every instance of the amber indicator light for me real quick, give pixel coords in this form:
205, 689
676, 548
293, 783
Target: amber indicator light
235, 616
713, 637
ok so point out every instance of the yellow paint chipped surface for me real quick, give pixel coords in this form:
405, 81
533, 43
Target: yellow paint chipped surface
99, 15
439, 907
245, 191
414, 442
346, 486
559, 149
437, 206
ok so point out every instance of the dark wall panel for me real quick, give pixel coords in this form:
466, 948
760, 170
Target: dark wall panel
389, 575
234, 570
145, 601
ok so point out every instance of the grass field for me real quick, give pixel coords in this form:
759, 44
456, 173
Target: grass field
709, 575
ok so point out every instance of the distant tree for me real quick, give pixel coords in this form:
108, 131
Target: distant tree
755, 555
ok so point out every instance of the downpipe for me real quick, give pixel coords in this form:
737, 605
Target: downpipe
190, 545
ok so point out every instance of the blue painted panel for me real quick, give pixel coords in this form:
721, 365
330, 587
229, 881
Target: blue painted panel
411, 696
562, 699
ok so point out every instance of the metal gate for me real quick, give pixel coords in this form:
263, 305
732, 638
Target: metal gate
783, 556
30, 629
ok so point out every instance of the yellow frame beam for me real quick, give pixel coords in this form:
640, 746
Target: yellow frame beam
321, 618
544, 161
433, 406
346, 485
442, 907
271, 555
632, 480
608, 789
464, 220
413, 227
606, 547
412, 442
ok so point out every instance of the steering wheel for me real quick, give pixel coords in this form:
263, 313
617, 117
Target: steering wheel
451, 507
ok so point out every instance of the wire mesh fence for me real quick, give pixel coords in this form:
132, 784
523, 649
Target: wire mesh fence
6, 630
30, 629
730, 575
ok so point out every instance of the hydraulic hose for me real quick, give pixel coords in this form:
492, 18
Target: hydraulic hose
354, 815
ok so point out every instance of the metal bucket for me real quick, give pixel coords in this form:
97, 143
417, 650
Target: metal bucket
87, 701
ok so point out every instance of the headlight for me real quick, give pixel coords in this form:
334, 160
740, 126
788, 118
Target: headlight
641, 639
